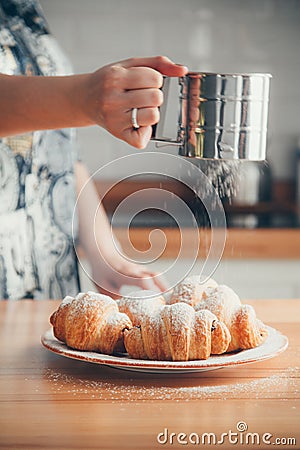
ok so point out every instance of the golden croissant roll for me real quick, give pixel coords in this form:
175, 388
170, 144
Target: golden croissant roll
245, 329
190, 290
90, 322
177, 332
139, 303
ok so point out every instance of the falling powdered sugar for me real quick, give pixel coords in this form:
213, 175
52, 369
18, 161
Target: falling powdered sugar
223, 174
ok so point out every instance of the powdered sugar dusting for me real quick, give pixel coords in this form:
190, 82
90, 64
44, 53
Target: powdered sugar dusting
190, 290
139, 389
85, 301
67, 300
88, 297
183, 291
181, 316
139, 304
222, 301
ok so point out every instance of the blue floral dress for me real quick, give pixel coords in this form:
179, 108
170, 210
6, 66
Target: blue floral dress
37, 186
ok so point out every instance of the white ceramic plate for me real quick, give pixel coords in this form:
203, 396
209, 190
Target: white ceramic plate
274, 344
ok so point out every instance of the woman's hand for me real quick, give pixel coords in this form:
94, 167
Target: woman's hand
116, 89
114, 271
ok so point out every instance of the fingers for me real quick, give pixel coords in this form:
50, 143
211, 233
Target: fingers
160, 283
143, 98
137, 138
145, 284
148, 279
140, 137
110, 291
149, 283
144, 117
142, 78
147, 102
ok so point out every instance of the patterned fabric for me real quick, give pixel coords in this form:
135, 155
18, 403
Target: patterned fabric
37, 195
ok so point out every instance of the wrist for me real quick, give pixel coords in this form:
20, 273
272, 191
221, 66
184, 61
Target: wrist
81, 102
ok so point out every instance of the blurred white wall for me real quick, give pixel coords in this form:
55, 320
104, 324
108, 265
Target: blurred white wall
208, 35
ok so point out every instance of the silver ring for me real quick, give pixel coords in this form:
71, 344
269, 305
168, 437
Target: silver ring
134, 118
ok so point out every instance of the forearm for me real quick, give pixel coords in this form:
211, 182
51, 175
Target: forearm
94, 228
39, 103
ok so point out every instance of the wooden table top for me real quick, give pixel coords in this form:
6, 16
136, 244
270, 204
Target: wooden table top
48, 401
241, 243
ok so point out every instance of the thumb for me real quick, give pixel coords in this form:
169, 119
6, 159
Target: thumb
160, 63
